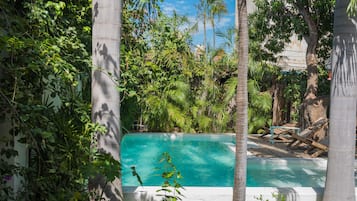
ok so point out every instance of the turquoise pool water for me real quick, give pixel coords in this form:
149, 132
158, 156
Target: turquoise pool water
208, 160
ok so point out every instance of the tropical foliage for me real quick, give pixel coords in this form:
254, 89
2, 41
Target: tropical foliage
171, 189
45, 95
45, 81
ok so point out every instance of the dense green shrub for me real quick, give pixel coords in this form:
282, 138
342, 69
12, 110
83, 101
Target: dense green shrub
45, 90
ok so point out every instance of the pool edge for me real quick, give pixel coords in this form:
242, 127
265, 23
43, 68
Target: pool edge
148, 193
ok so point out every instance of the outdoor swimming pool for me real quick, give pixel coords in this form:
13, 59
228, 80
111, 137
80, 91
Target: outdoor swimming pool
208, 160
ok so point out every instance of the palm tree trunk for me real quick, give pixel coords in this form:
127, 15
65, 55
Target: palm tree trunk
215, 8
340, 184
213, 33
105, 96
205, 32
240, 172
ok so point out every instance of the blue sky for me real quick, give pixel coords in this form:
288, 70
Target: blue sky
187, 8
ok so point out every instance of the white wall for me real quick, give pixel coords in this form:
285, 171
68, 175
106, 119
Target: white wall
21, 159
293, 57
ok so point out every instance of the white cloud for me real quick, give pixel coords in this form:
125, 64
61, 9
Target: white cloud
168, 8
181, 7
180, 2
224, 22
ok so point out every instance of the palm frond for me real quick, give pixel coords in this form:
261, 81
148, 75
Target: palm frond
203, 123
230, 89
177, 116
178, 93
253, 87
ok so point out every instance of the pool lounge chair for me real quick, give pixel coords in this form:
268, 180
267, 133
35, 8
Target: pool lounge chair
314, 146
282, 133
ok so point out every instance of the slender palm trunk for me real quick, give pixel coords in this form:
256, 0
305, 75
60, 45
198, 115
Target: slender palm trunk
340, 184
213, 33
240, 172
205, 32
105, 96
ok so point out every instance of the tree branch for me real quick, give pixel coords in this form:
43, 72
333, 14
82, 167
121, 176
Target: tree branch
313, 27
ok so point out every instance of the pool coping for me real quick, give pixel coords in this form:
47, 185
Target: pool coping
148, 193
